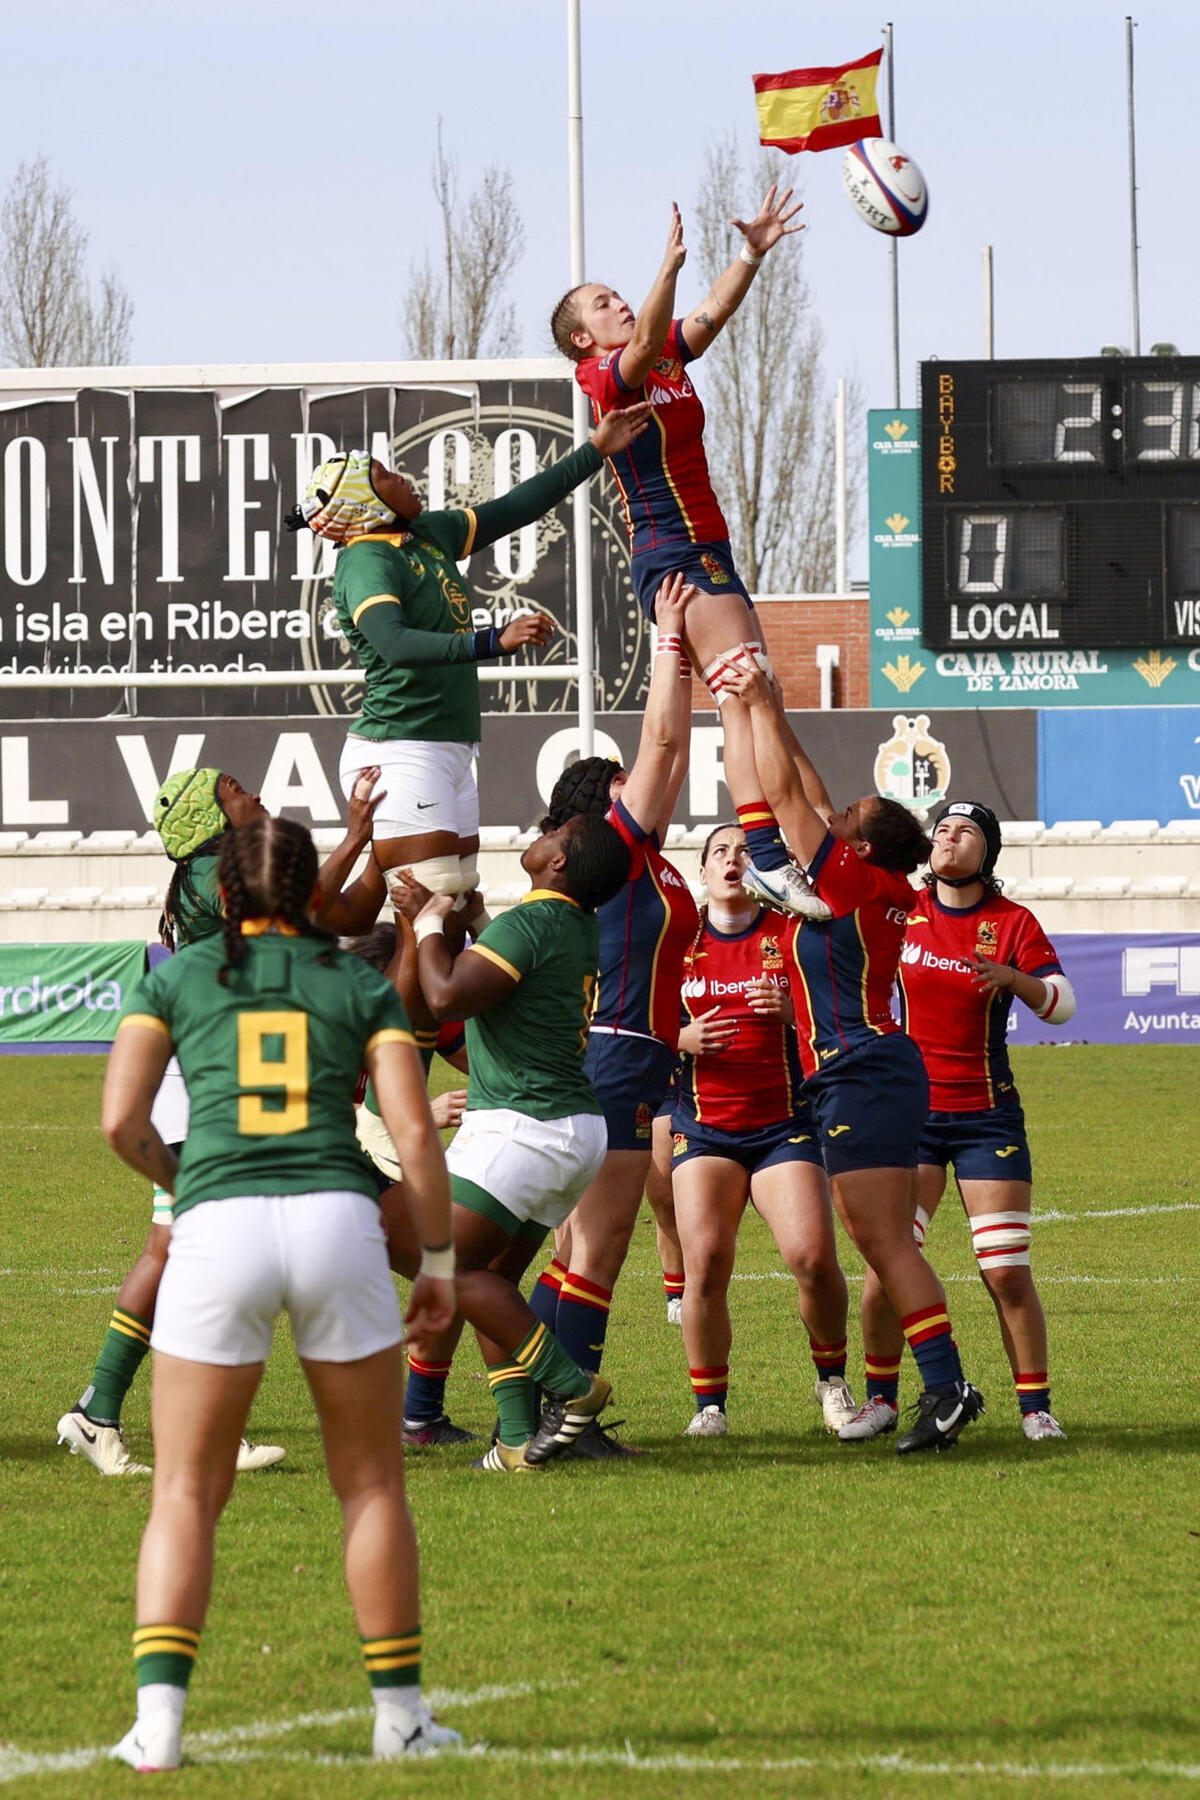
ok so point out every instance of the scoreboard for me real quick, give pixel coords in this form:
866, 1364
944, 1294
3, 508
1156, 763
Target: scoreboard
1061, 503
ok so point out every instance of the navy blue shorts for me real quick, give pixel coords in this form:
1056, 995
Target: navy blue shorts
707, 566
631, 1075
795, 1140
983, 1146
871, 1106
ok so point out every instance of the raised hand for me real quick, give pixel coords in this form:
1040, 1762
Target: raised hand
363, 804
675, 254
617, 430
670, 604
527, 628
771, 222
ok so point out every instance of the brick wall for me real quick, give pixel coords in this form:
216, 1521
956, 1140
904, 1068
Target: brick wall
794, 628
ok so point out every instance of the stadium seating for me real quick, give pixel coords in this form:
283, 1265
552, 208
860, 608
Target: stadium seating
1134, 875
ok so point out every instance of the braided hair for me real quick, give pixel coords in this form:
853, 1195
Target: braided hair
563, 321
267, 871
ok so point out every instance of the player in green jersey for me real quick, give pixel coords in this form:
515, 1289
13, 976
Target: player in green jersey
405, 612
533, 1134
276, 1211
191, 812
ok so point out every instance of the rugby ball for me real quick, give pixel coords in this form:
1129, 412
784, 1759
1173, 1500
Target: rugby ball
885, 187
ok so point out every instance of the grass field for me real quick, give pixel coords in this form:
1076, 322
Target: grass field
771, 1614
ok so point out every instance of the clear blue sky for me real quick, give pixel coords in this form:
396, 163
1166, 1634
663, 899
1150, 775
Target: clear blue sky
260, 179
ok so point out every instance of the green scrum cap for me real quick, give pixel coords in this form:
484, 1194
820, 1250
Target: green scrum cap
187, 812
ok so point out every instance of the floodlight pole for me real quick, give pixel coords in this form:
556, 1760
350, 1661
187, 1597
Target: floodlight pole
581, 500
1133, 243
894, 246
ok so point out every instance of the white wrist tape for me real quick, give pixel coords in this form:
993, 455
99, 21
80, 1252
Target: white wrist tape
744, 255
437, 1264
432, 925
669, 644
1060, 1000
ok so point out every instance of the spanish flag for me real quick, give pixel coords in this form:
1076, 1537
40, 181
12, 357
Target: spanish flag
818, 109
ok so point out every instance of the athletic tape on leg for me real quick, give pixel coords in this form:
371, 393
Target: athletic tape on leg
1002, 1240
440, 874
733, 662
920, 1227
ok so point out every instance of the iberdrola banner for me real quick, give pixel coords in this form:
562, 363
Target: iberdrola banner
65, 993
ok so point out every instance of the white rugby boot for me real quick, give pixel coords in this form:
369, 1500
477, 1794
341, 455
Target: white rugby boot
103, 1445
837, 1403
710, 1421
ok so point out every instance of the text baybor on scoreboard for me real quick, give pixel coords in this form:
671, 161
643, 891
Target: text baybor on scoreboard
1061, 502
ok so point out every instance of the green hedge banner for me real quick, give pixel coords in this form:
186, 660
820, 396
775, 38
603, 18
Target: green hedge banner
65, 993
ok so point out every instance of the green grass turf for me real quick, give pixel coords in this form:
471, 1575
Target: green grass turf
770, 1599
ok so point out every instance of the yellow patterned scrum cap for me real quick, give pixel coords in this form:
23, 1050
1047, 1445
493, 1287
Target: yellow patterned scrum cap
187, 812
339, 501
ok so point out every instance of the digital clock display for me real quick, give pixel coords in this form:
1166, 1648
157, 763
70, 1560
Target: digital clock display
1061, 502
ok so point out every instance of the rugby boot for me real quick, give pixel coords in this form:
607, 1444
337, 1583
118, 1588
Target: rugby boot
103, 1445
940, 1418
787, 890
564, 1419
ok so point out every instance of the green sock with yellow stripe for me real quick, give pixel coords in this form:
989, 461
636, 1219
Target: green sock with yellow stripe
516, 1402
393, 1662
165, 1653
125, 1345
546, 1362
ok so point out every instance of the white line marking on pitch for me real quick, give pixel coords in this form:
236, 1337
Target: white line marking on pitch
15, 1763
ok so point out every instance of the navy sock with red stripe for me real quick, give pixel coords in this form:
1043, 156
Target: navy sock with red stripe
931, 1341
581, 1322
543, 1299
764, 840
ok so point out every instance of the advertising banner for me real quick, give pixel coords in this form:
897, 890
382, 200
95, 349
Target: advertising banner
65, 993
1143, 763
103, 774
143, 530
967, 675
1130, 990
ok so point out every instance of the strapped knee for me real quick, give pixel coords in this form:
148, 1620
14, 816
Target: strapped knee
734, 661
1002, 1240
440, 874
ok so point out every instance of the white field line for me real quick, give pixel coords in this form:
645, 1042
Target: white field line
215, 1746
1042, 1280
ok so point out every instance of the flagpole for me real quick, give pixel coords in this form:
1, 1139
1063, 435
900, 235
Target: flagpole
581, 506
894, 246
1133, 239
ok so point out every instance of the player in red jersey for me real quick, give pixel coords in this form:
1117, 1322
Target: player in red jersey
968, 953
742, 1132
644, 934
671, 512
864, 1078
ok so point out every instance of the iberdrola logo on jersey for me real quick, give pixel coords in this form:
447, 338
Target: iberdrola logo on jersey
912, 767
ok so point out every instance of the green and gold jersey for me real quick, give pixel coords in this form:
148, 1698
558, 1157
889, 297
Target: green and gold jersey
404, 610
198, 909
271, 1062
527, 1052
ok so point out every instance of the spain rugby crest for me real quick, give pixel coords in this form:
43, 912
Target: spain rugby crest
985, 938
717, 573
771, 959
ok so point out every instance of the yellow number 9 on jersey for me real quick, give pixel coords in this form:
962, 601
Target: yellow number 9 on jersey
288, 1074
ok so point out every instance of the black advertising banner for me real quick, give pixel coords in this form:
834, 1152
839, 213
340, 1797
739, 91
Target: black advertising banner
143, 530
92, 775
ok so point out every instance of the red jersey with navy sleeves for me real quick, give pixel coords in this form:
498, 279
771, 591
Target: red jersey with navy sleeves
644, 932
755, 1081
962, 1029
846, 968
666, 491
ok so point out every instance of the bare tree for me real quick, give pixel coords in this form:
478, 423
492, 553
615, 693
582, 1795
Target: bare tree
47, 314
459, 309
770, 430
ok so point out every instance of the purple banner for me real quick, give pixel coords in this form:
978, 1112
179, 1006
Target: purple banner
1137, 989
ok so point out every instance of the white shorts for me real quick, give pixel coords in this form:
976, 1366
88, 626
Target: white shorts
536, 1168
427, 786
169, 1116
376, 1140
235, 1265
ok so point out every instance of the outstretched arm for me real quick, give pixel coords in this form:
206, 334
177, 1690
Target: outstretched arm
656, 777
654, 317
770, 223
350, 907
530, 499
783, 789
